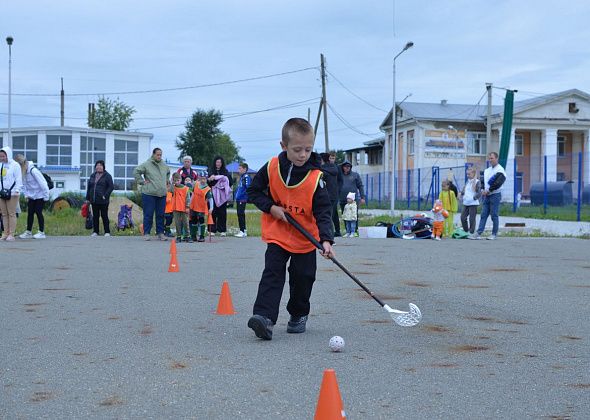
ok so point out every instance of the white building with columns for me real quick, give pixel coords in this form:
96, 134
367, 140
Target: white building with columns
449, 136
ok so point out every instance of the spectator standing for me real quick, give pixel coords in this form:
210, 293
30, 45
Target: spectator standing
153, 176
351, 182
449, 203
36, 191
186, 171
470, 198
493, 178
241, 198
98, 193
11, 184
331, 172
220, 208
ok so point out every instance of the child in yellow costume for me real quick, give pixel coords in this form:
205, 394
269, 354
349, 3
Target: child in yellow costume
449, 203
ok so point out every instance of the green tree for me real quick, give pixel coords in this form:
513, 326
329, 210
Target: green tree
203, 139
111, 115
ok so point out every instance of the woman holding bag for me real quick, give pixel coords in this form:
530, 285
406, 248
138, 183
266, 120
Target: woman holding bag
98, 194
10, 186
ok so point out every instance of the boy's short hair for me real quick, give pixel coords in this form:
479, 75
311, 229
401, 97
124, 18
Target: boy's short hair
332, 153
176, 175
298, 125
244, 165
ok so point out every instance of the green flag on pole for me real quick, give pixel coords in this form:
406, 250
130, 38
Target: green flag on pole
506, 128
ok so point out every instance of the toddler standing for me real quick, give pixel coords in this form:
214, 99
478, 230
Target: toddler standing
349, 215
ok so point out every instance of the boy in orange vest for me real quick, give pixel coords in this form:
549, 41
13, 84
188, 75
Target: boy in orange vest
291, 182
201, 206
168, 215
181, 199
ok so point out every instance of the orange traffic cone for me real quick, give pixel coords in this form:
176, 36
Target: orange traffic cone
173, 267
225, 305
173, 247
330, 405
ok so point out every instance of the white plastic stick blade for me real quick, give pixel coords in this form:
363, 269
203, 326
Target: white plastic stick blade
405, 319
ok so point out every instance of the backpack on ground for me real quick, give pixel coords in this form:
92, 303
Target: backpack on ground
125, 217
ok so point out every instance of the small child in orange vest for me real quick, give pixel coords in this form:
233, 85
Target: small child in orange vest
201, 207
168, 215
291, 182
439, 216
181, 199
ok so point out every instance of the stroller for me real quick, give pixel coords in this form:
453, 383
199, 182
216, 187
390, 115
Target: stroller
125, 217
415, 227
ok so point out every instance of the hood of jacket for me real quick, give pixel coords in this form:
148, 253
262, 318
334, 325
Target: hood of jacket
8, 152
346, 163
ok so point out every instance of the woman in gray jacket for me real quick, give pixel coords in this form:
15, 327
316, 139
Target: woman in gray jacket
153, 177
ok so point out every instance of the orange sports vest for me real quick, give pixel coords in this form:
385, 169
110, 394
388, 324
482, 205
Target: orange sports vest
199, 202
179, 199
169, 203
297, 200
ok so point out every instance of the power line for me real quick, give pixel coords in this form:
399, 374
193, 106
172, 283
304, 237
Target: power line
355, 95
350, 126
133, 92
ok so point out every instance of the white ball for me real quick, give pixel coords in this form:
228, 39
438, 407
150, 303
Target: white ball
336, 343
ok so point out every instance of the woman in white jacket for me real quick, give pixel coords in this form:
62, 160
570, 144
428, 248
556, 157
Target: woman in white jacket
11, 183
36, 191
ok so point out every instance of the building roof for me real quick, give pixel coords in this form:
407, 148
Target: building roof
69, 128
444, 111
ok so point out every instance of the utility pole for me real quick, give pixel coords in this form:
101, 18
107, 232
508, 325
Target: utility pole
325, 102
62, 113
489, 117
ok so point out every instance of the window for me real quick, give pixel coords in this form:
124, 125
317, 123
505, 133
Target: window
125, 162
375, 157
560, 146
411, 142
59, 150
476, 143
518, 145
26, 145
561, 176
91, 150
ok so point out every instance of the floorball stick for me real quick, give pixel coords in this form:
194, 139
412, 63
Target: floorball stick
403, 318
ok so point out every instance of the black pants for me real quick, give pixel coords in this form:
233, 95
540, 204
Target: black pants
35, 207
102, 211
302, 271
219, 215
241, 207
470, 211
335, 219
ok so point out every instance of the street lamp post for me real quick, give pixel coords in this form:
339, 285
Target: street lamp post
9, 40
408, 45
456, 143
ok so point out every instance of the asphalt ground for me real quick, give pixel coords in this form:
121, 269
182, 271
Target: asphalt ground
97, 328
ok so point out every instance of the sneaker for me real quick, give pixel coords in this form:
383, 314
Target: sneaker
162, 237
26, 235
201, 239
186, 239
296, 324
355, 235
222, 234
107, 235
178, 240
491, 238
190, 240
39, 235
262, 326
96, 234
10, 238
474, 236
146, 237
436, 238
240, 234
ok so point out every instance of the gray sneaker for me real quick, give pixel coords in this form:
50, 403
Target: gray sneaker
146, 237
162, 237
474, 236
491, 238
262, 326
296, 324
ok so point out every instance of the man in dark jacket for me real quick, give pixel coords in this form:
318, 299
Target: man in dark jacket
331, 171
351, 183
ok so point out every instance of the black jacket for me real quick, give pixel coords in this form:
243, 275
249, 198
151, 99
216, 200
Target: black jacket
99, 192
259, 194
330, 171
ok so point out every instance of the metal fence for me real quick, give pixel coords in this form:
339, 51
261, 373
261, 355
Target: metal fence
535, 185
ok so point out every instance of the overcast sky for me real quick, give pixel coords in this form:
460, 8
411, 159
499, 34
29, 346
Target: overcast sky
107, 46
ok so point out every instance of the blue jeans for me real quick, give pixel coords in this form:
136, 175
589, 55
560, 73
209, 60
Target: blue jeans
491, 206
153, 204
350, 226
